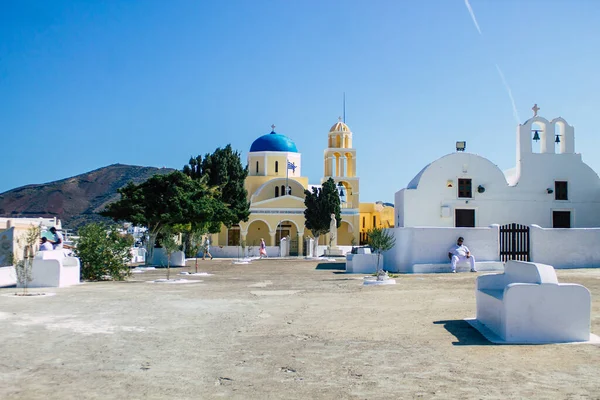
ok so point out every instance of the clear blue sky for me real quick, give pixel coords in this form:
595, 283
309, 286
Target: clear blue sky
85, 84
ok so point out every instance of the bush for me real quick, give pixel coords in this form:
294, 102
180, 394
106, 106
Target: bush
103, 251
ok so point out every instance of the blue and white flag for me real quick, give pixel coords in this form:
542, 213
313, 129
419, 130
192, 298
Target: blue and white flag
291, 166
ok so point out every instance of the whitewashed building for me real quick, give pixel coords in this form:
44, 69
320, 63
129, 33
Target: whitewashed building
550, 186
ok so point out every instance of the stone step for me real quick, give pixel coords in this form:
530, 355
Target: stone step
462, 267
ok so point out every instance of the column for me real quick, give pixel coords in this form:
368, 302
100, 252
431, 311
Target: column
272, 235
300, 243
243, 239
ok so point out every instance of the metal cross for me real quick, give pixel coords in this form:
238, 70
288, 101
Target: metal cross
535, 109
273, 127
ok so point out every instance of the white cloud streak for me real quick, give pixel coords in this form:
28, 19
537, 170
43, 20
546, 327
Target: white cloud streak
473, 16
504, 82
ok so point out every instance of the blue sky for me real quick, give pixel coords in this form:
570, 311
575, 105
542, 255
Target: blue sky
91, 83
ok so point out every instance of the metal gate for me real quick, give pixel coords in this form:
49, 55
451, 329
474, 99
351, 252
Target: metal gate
294, 247
514, 242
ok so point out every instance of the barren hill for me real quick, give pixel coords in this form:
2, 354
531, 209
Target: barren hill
74, 200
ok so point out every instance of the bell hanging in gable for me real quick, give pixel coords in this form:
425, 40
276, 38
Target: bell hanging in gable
536, 136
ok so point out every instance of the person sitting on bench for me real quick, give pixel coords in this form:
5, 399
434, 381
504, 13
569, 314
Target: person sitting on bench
459, 252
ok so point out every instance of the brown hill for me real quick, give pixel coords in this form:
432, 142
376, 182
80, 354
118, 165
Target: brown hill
74, 200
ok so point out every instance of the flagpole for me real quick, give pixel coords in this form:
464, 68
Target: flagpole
287, 173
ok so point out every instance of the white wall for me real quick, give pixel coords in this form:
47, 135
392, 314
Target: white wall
427, 245
565, 248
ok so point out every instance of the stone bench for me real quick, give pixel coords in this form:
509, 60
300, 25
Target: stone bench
54, 269
526, 304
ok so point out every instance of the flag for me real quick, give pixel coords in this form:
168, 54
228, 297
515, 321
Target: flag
292, 166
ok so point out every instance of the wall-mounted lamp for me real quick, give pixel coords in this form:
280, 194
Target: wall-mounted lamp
536, 135
461, 146
480, 189
550, 190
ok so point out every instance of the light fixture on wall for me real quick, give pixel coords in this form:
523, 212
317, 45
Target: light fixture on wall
480, 189
536, 135
557, 140
550, 190
461, 146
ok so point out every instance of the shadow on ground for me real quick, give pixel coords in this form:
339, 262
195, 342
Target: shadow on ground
340, 266
465, 333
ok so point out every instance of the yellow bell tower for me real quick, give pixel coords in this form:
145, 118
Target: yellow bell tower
340, 164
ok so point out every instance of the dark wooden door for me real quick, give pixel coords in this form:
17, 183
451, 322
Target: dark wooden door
561, 219
464, 218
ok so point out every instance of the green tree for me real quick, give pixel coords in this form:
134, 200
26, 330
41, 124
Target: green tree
23, 267
103, 251
380, 240
171, 246
223, 169
166, 200
320, 204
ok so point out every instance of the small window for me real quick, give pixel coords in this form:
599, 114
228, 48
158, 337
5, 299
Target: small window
289, 192
464, 188
364, 220
560, 190
276, 191
276, 166
257, 168
374, 221
282, 190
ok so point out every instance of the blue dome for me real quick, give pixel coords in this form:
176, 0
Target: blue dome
274, 142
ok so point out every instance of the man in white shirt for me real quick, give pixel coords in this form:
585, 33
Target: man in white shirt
459, 252
57, 243
45, 245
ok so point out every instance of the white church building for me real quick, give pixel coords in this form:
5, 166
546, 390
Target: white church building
551, 188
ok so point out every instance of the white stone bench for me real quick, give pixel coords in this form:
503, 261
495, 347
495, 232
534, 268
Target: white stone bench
54, 269
526, 304
365, 263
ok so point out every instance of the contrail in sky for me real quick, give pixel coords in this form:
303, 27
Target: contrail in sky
504, 82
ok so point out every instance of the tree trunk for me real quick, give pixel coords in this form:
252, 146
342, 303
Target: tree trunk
168, 266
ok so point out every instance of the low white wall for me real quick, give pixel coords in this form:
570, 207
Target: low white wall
236, 251
159, 257
565, 248
8, 276
430, 245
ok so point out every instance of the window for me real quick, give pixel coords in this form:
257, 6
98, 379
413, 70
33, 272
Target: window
282, 190
233, 236
364, 221
464, 188
560, 190
289, 192
257, 168
276, 191
374, 221
276, 166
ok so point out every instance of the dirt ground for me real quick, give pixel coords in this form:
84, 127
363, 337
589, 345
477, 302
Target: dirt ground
278, 329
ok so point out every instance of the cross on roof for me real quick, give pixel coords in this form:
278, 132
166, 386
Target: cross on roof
340, 119
535, 109
273, 127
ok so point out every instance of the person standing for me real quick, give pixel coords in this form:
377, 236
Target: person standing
263, 248
57, 242
207, 249
459, 252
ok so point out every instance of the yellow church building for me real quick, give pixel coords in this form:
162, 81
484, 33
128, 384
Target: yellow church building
275, 187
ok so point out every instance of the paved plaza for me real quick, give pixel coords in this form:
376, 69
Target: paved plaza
278, 329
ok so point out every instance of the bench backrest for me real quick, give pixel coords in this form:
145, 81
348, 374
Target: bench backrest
528, 272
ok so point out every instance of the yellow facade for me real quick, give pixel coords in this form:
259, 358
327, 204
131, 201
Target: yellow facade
276, 193
375, 215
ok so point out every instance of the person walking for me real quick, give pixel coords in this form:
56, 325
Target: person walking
206, 251
263, 249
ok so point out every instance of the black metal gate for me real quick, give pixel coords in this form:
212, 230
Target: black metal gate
294, 247
514, 242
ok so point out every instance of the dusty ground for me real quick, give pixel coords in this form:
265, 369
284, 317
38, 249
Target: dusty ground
278, 330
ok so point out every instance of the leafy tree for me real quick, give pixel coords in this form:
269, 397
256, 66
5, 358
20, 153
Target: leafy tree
223, 169
166, 200
320, 204
380, 240
23, 267
103, 251
171, 246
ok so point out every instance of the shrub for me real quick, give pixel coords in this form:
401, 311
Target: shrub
103, 251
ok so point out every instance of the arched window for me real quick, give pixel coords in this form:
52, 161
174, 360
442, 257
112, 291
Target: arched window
276, 191
282, 190
374, 221
289, 192
276, 166
364, 220
257, 168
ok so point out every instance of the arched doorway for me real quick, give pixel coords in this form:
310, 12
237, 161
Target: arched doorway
345, 234
256, 230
